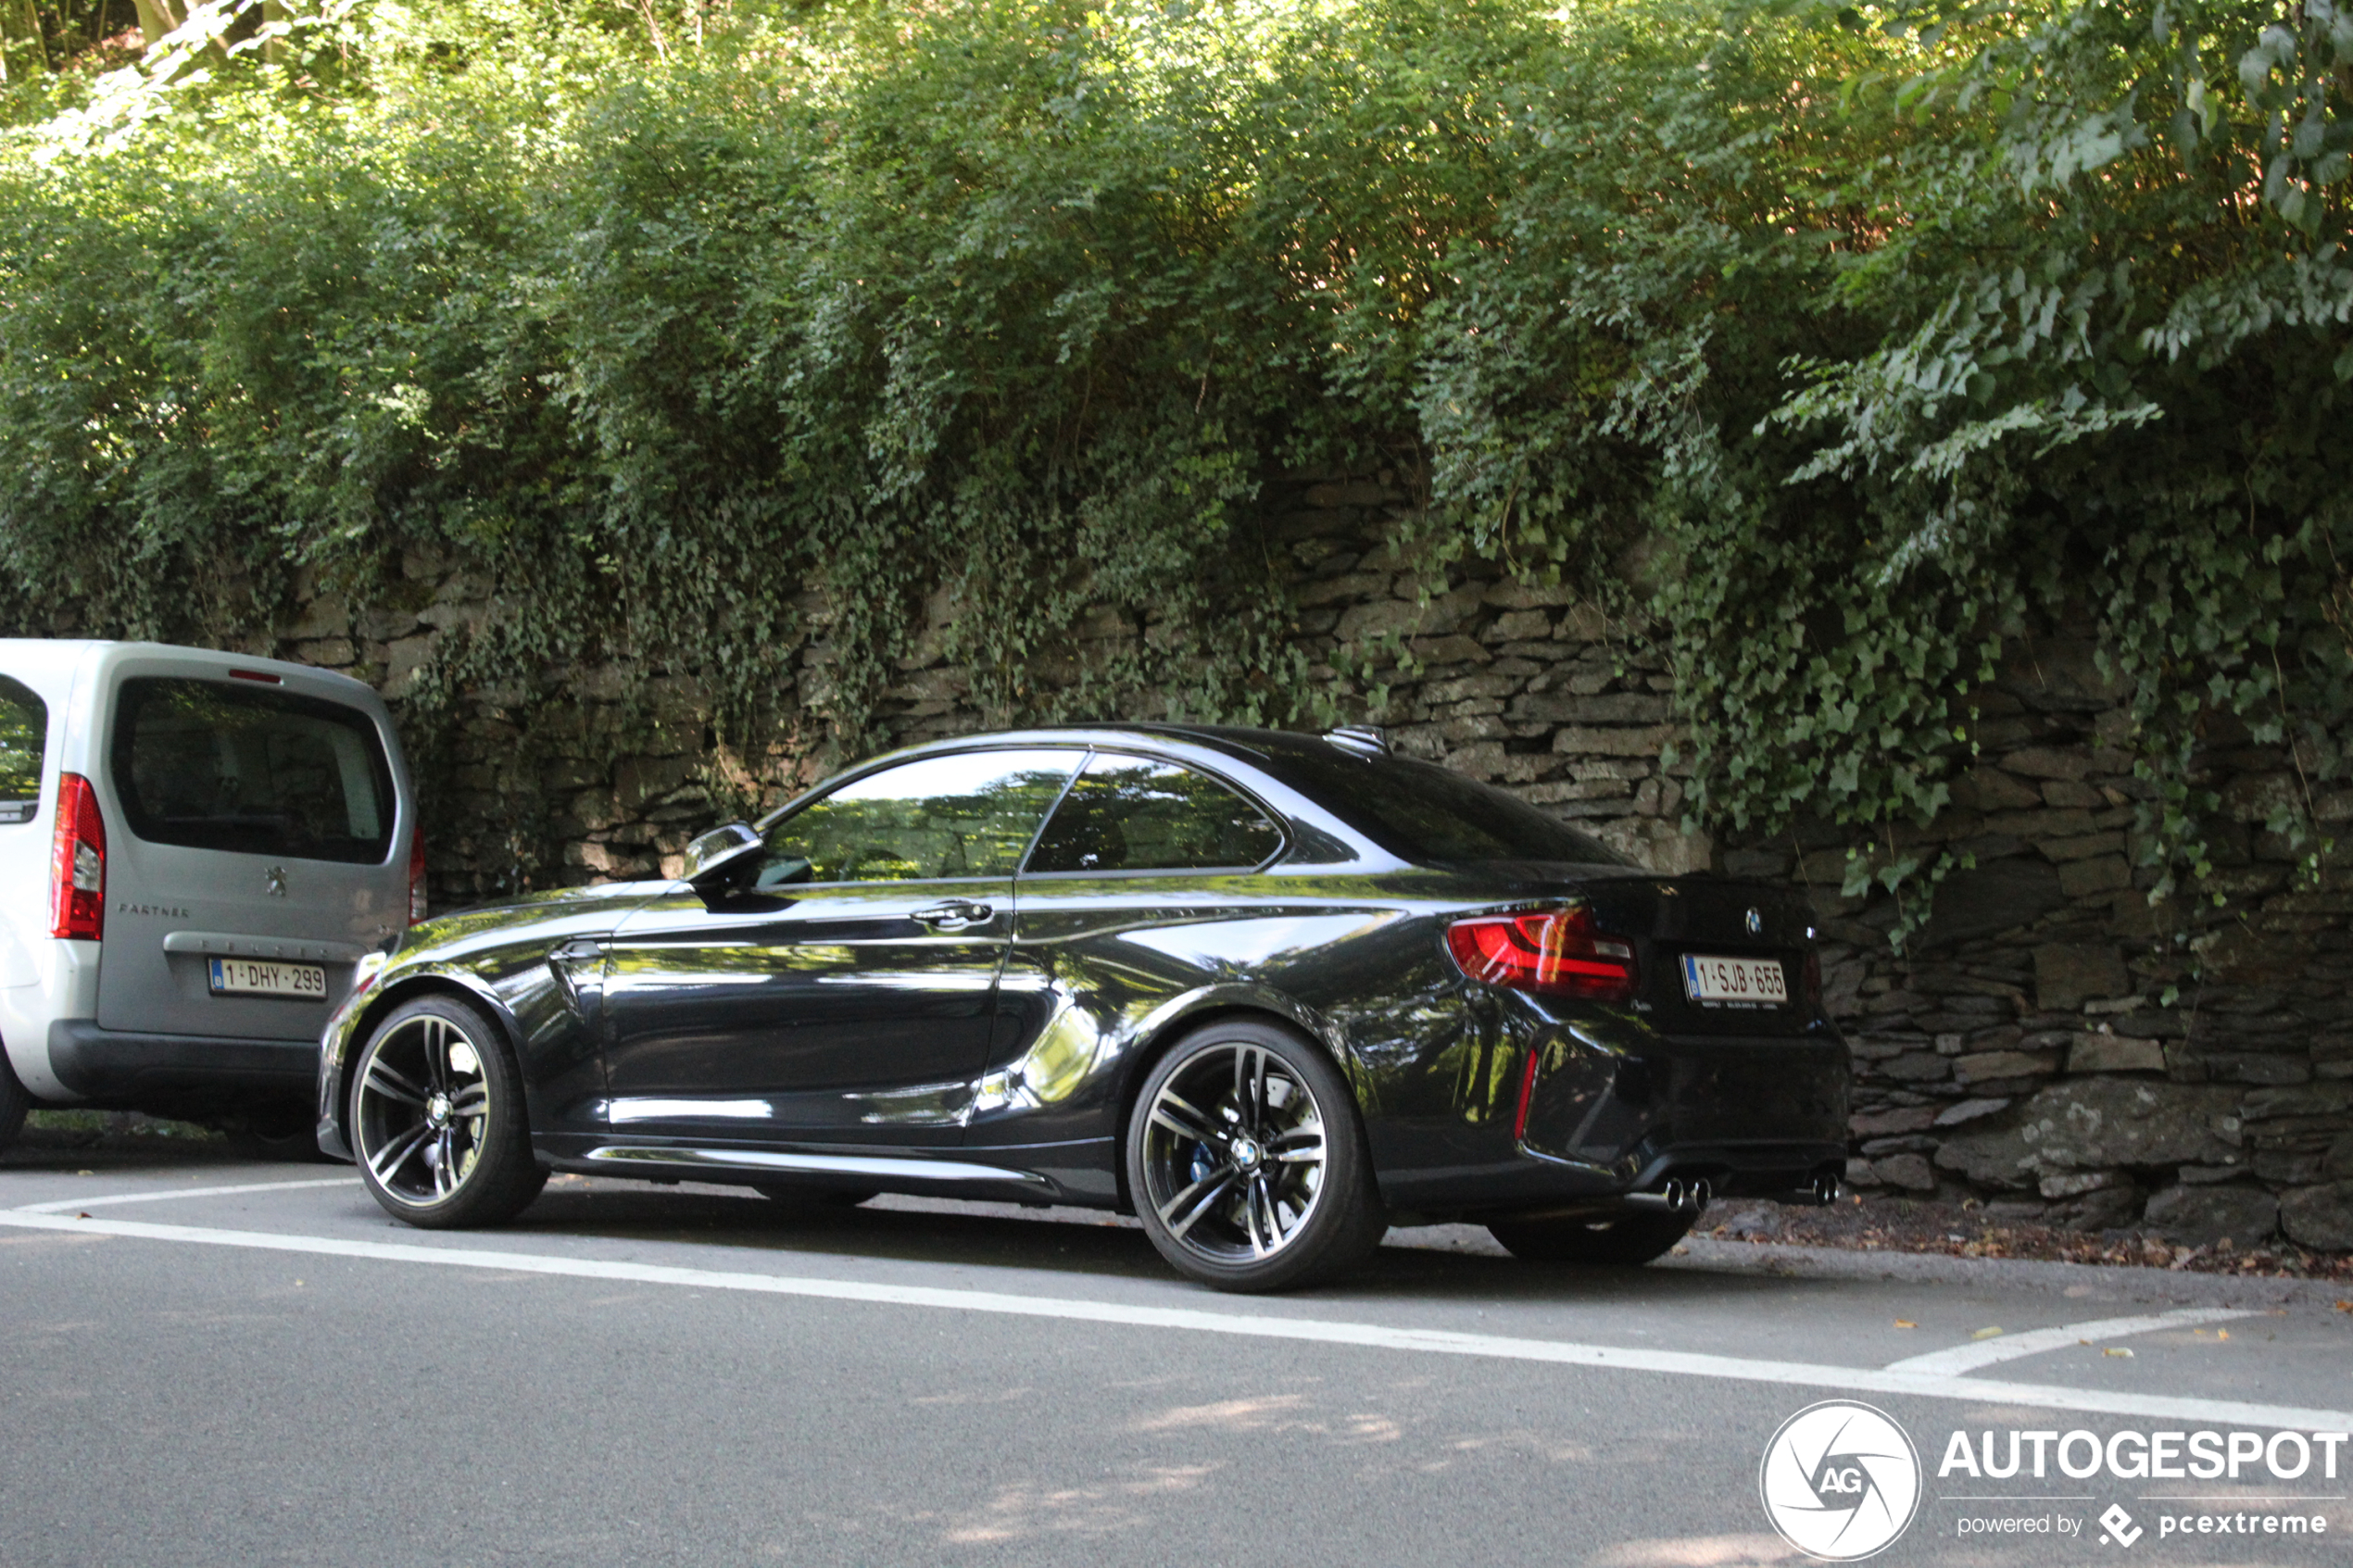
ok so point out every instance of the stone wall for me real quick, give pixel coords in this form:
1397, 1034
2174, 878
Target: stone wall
2044, 1045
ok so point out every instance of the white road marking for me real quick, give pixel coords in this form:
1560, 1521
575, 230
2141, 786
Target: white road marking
1316, 1330
64, 1205
2011, 1347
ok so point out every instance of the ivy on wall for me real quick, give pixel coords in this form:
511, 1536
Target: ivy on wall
1845, 342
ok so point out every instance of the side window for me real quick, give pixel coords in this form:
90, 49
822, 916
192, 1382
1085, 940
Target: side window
211, 765
24, 738
1126, 814
968, 814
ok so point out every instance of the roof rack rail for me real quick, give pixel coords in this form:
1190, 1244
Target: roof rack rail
1366, 740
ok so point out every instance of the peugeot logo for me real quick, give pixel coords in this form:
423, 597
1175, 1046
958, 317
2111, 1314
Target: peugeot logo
275, 879
1756, 921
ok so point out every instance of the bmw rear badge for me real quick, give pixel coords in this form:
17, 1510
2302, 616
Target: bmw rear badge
1755, 923
1841, 1480
275, 879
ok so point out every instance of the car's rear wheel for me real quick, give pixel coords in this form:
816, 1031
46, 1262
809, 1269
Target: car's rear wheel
1247, 1162
437, 1118
1631, 1238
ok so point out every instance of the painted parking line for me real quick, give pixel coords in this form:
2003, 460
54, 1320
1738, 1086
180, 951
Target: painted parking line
66, 1205
1968, 1358
1194, 1320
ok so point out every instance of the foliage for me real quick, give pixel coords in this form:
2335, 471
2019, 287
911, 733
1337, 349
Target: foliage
1846, 343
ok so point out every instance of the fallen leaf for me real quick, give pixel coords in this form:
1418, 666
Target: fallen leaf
1905, 1323
83, 1215
1986, 1333
2222, 1334
2117, 1350
2345, 1306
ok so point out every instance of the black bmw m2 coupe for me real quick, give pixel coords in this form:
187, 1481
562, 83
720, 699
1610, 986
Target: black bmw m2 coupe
1271, 993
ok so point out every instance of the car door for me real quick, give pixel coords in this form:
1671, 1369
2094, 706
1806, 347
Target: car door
843, 991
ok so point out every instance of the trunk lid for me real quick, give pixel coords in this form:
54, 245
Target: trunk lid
1672, 918
1668, 919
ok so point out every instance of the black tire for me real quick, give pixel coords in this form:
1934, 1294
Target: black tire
1247, 1163
437, 1118
1631, 1239
15, 1103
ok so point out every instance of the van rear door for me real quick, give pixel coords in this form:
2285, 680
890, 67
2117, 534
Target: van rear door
258, 821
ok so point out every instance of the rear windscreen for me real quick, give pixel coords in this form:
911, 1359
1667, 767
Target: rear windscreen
215, 766
24, 735
1425, 813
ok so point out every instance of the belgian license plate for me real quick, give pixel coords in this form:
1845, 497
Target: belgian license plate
254, 977
1757, 983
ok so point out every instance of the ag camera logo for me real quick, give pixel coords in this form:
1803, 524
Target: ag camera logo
1841, 1480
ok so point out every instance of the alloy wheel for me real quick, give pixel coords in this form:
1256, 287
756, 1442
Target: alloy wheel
1234, 1153
422, 1109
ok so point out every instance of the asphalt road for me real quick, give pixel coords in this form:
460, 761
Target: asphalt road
637, 1374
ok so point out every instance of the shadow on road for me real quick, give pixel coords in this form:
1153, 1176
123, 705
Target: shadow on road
1078, 1242
1438, 1264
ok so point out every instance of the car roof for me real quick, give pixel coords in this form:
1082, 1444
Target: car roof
1233, 740
1252, 748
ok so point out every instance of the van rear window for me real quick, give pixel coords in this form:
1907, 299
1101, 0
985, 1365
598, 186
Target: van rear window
24, 739
211, 766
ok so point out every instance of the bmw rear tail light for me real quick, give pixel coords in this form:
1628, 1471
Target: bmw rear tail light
77, 863
1551, 952
417, 876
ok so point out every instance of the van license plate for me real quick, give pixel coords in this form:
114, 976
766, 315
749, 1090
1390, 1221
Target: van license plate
248, 977
1757, 983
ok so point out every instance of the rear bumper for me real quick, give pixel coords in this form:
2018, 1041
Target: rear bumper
1613, 1111
106, 1066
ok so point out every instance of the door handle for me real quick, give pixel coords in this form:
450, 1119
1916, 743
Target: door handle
953, 915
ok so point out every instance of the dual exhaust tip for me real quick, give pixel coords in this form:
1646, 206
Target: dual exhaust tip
1682, 1197
1690, 1195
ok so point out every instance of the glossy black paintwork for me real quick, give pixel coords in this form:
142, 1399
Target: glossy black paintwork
832, 1016
1014, 1045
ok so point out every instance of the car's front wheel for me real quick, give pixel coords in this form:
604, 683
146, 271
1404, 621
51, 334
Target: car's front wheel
1247, 1163
437, 1118
1631, 1238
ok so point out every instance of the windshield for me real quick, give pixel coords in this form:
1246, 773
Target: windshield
1421, 813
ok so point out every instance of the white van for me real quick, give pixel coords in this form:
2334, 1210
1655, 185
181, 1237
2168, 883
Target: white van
197, 850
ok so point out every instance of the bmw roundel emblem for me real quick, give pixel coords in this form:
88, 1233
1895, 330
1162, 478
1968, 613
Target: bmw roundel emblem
1755, 923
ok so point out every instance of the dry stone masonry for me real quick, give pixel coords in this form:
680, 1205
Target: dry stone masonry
2044, 1044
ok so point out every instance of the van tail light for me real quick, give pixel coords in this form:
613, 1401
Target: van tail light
1813, 983
77, 863
1551, 952
417, 876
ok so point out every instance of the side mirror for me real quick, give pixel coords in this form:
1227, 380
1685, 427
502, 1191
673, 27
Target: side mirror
719, 848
